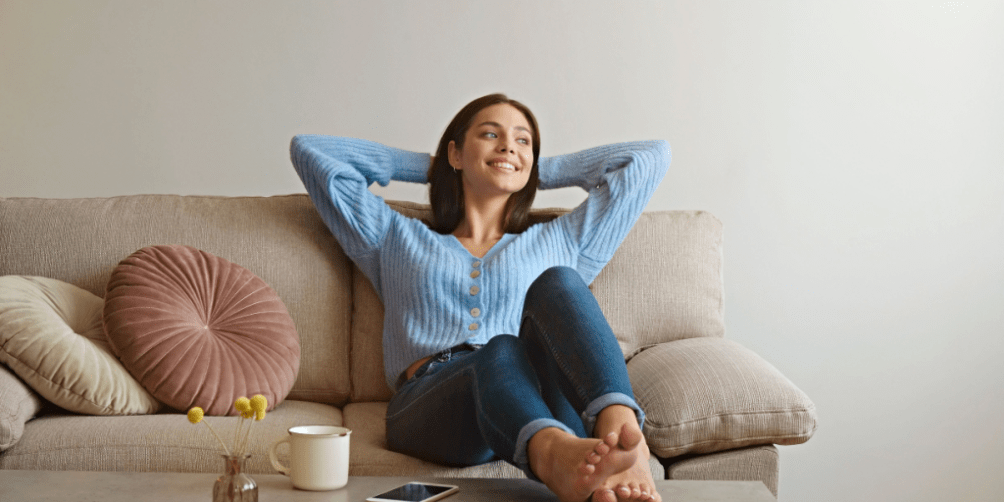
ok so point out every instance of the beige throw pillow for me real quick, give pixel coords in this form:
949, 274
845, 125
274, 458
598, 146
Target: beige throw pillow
51, 336
18, 404
703, 395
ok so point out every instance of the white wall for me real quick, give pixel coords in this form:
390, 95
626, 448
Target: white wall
852, 149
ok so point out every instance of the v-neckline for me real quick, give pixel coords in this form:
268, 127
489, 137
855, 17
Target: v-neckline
489, 253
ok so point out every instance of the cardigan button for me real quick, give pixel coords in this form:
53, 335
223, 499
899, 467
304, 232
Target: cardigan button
473, 326
476, 264
475, 312
475, 290
475, 274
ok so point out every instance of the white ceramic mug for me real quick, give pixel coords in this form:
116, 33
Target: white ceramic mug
318, 457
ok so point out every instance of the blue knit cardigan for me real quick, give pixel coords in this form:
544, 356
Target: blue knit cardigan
435, 293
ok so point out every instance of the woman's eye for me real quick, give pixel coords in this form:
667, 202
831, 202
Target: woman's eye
490, 135
524, 141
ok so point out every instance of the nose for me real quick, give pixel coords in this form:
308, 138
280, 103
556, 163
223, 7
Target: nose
506, 147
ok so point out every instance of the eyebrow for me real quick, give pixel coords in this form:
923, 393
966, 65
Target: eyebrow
496, 124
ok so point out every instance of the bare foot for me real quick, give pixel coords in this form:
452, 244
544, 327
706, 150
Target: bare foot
621, 420
574, 467
634, 484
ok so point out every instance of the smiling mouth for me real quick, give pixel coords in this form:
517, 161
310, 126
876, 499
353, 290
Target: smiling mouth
502, 165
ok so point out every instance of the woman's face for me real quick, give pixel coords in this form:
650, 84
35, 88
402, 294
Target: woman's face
497, 155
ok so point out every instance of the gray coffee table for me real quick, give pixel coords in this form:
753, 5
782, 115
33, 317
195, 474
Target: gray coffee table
82, 486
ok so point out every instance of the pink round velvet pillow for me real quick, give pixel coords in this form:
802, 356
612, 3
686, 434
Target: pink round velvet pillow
197, 330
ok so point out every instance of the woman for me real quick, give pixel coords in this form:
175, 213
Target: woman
555, 400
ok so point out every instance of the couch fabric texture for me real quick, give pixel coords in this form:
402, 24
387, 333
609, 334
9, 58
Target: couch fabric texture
709, 401
18, 404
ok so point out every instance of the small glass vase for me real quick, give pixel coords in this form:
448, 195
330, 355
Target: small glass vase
234, 485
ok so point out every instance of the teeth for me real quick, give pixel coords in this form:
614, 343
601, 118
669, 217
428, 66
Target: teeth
504, 165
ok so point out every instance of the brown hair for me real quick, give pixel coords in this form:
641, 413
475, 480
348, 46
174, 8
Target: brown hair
446, 189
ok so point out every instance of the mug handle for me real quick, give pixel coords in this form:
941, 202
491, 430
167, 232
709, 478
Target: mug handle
275, 459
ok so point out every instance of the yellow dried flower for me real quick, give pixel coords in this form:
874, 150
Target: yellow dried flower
259, 415
259, 404
243, 405
195, 415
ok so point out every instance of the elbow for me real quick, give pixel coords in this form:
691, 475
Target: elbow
663, 154
661, 157
656, 156
304, 149
295, 147
297, 144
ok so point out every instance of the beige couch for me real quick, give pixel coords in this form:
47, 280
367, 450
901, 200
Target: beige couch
715, 409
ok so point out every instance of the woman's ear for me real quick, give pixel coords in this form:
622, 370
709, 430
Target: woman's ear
454, 156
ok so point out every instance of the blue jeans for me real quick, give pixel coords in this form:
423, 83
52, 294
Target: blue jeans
470, 405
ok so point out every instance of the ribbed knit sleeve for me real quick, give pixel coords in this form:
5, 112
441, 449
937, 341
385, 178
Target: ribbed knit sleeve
337, 173
620, 179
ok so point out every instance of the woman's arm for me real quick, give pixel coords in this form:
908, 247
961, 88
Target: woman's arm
337, 173
588, 168
620, 179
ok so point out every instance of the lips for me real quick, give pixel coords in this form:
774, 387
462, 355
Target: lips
502, 164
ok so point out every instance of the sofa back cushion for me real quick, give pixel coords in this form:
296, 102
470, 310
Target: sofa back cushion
663, 284
281, 239
665, 281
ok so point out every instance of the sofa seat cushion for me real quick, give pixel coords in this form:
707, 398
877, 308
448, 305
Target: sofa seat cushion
198, 330
369, 455
753, 463
704, 395
18, 404
51, 336
165, 442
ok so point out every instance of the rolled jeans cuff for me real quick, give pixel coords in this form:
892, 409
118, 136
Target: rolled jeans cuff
594, 408
521, 457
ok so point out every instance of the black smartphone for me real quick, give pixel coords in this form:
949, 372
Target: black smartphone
416, 492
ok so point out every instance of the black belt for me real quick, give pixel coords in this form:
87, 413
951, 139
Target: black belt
445, 355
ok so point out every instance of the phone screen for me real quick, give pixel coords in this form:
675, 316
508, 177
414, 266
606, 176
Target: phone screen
413, 492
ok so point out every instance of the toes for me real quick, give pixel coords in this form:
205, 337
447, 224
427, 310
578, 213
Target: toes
623, 491
611, 440
604, 495
603, 448
631, 491
635, 492
629, 437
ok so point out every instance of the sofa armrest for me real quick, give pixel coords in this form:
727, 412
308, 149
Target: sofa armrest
703, 395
